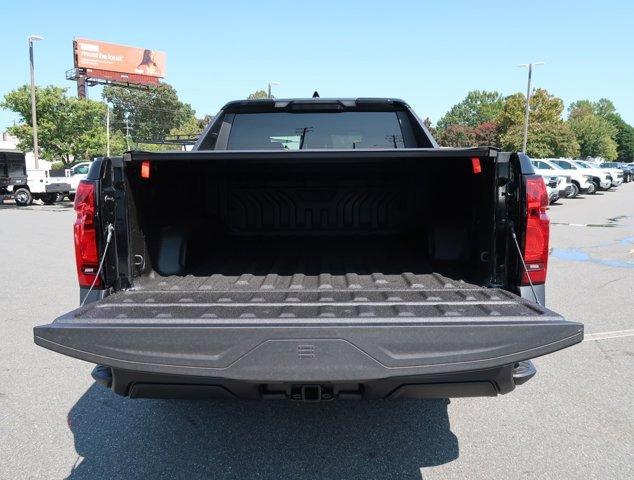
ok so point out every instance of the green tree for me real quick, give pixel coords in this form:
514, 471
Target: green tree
190, 128
149, 114
594, 133
487, 134
624, 138
623, 133
457, 136
548, 134
258, 95
204, 121
431, 128
478, 107
68, 129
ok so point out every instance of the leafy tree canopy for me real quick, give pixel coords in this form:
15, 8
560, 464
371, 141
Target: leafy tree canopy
594, 133
487, 134
457, 136
478, 107
150, 114
68, 129
548, 134
258, 94
624, 138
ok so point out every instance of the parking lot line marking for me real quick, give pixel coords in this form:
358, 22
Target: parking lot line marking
607, 335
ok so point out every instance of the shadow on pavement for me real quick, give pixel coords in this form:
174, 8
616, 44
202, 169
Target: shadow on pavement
122, 438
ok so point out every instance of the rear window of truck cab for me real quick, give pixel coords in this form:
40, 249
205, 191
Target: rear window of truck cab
336, 130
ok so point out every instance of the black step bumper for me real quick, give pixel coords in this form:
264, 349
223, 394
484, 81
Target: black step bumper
489, 382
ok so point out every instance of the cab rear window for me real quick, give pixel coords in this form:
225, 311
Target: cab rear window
337, 130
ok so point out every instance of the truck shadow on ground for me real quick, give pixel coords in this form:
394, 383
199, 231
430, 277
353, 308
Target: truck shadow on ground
122, 438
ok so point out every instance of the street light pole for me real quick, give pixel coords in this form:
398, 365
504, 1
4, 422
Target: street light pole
528, 98
34, 38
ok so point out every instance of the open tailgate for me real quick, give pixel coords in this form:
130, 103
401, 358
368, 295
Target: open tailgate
316, 329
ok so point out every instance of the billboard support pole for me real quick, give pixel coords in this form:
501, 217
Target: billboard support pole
81, 86
107, 130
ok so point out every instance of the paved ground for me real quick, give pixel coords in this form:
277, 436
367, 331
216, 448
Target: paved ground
574, 420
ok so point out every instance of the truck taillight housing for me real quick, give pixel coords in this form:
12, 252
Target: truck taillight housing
537, 231
85, 232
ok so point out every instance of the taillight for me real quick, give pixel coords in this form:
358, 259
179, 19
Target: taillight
145, 169
86, 251
537, 231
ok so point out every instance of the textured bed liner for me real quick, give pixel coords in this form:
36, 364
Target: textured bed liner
273, 297
283, 280
306, 264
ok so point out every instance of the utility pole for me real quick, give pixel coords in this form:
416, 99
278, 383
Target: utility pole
528, 99
107, 130
34, 38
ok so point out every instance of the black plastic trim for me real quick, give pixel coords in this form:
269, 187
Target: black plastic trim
334, 155
489, 382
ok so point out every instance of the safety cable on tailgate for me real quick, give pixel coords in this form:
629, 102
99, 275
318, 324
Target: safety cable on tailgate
519, 251
110, 229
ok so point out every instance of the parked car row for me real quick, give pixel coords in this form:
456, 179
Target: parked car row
567, 178
627, 168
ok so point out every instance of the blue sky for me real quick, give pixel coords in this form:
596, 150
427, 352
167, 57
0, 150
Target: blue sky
428, 53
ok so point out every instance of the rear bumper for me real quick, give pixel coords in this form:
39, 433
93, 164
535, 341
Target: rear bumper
57, 187
481, 383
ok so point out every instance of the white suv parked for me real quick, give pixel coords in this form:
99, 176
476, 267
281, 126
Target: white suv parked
580, 182
601, 179
615, 173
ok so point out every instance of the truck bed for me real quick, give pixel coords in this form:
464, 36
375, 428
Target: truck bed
307, 264
392, 298
291, 281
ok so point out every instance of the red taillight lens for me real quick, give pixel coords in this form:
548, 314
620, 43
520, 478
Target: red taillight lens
537, 230
145, 169
86, 251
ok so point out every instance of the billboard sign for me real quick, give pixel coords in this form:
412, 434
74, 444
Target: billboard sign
109, 57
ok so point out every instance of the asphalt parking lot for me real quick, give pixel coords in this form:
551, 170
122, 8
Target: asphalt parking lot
573, 420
